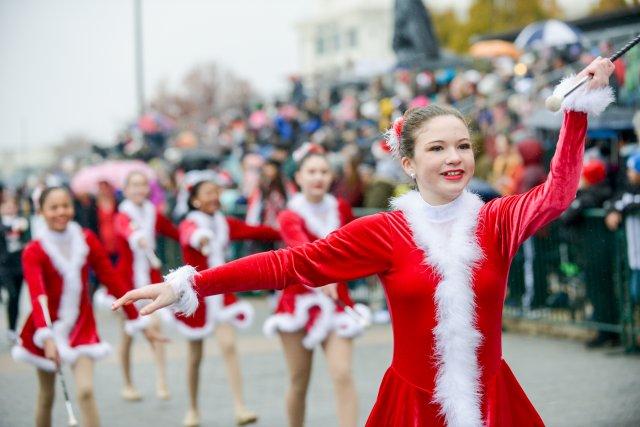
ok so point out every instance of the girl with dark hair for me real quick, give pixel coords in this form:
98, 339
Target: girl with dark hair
205, 234
443, 257
56, 267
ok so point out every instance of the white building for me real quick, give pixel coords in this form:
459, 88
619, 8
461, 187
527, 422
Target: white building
346, 38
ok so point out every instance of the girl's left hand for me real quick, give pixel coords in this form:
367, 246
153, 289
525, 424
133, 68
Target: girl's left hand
600, 69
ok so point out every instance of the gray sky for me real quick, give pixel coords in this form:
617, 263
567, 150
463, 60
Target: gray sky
67, 67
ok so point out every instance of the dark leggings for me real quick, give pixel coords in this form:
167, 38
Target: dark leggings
14, 286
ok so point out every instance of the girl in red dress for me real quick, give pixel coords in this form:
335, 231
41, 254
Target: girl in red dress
443, 257
56, 265
136, 224
305, 317
205, 234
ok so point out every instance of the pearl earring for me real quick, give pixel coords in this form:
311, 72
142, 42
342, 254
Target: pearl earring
413, 176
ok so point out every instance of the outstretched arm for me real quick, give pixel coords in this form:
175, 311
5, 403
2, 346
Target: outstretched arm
358, 249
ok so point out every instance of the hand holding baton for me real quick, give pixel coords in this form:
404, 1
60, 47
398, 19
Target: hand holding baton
42, 299
554, 102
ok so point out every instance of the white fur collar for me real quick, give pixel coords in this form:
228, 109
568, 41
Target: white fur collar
218, 235
452, 249
319, 218
143, 218
69, 268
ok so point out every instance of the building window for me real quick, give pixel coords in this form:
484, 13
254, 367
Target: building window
352, 37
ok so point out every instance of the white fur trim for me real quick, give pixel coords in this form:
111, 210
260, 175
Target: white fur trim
143, 225
230, 313
582, 99
216, 228
452, 249
21, 354
133, 326
319, 218
71, 271
291, 322
346, 326
41, 335
182, 283
193, 334
103, 299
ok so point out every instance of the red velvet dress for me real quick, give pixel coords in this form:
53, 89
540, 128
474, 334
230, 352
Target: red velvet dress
65, 283
444, 270
219, 230
132, 224
300, 307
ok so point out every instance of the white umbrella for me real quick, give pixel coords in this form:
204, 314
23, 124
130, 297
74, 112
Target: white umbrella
546, 34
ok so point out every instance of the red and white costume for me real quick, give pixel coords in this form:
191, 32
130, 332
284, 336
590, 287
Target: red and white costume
134, 224
444, 270
57, 265
219, 230
300, 307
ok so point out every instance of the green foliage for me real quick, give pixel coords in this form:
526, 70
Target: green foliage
489, 16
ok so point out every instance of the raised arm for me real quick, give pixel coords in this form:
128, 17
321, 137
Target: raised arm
520, 216
358, 249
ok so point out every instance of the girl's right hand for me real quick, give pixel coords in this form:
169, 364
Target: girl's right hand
161, 294
51, 351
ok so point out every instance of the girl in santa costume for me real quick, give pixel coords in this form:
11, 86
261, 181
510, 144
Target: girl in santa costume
205, 234
56, 266
306, 317
443, 257
136, 225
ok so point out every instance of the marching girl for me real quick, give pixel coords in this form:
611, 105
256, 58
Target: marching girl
443, 257
204, 237
306, 317
56, 267
136, 225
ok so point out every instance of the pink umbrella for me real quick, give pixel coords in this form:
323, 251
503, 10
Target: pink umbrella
114, 172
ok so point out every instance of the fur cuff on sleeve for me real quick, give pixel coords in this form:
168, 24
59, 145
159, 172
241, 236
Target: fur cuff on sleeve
133, 326
583, 99
182, 283
41, 335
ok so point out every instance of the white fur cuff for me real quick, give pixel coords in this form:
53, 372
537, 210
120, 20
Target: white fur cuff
196, 238
133, 326
41, 335
592, 101
182, 283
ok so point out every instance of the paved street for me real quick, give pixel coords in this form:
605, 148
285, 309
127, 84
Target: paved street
569, 385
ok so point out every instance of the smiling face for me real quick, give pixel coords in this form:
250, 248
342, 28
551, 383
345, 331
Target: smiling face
57, 209
207, 198
314, 177
137, 188
442, 162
